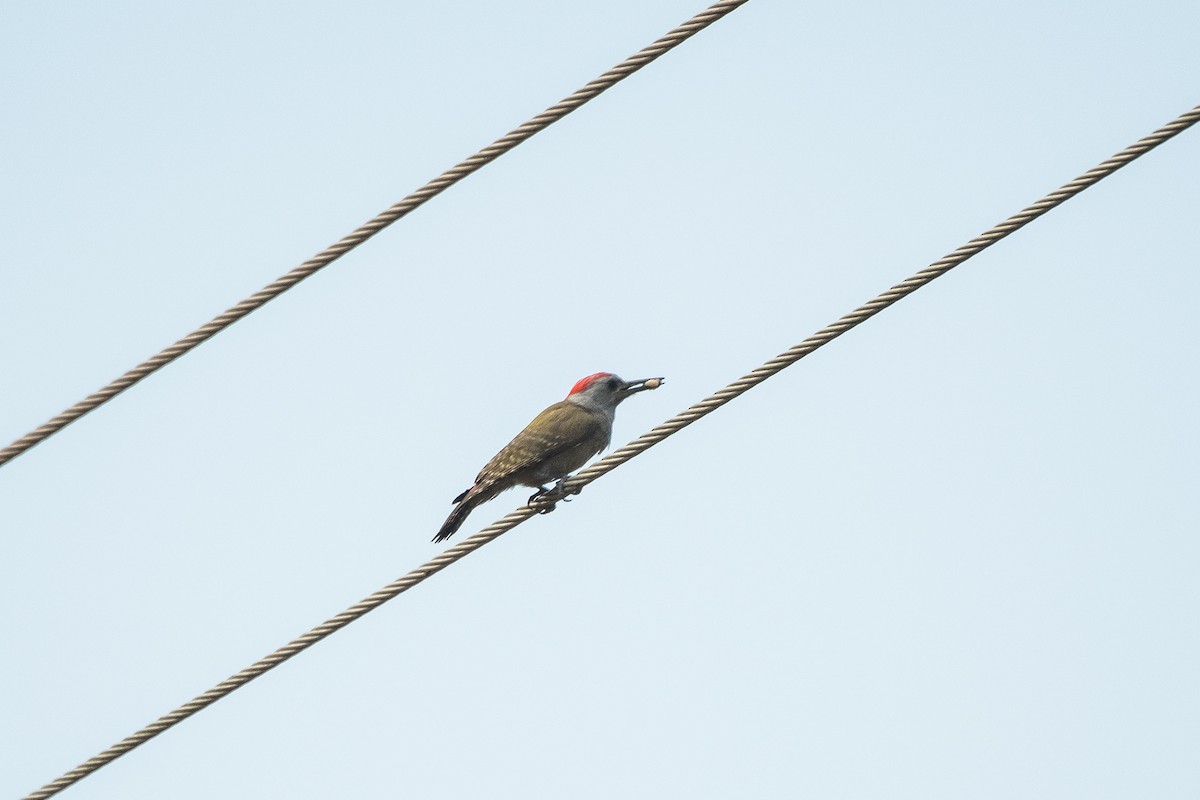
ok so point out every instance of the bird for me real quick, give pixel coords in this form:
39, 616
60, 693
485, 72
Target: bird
558, 441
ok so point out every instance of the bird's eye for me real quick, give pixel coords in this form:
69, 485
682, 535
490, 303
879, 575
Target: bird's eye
613, 384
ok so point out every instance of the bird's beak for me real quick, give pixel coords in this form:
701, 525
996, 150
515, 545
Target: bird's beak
633, 387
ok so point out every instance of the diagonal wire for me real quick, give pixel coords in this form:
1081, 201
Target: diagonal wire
892, 295
618, 457
369, 229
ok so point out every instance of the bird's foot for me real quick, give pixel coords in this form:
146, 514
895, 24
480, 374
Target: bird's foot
544, 500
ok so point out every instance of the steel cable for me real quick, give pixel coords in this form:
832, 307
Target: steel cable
369, 229
637, 446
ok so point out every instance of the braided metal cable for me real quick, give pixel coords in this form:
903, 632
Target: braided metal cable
892, 295
276, 658
369, 229
618, 457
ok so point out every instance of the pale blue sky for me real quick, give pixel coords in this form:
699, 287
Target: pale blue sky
953, 554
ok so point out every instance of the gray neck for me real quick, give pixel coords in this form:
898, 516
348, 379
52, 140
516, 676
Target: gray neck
584, 400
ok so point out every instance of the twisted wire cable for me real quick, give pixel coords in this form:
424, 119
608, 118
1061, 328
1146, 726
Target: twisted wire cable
618, 457
369, 229
873, 307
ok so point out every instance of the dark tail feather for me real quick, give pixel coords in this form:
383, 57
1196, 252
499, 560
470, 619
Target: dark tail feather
465, 504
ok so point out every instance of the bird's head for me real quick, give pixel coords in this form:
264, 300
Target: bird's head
605, 390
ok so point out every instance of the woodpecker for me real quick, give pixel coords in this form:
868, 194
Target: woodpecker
559, 440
